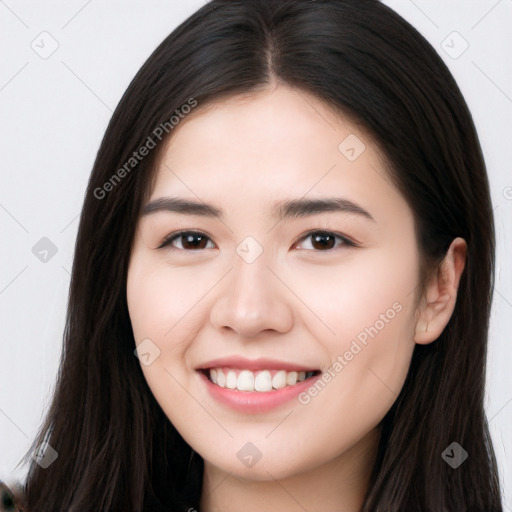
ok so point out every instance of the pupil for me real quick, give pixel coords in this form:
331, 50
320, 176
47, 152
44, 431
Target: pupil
189, 239
318, 239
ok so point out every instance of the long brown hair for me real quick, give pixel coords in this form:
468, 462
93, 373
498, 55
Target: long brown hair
116, 448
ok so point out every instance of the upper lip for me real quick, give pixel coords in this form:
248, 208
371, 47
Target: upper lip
254, 364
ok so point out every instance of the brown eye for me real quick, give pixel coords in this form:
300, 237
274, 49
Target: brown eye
323, 241
187, 241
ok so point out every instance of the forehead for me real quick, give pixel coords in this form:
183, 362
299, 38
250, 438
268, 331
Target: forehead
277, 119
267, 145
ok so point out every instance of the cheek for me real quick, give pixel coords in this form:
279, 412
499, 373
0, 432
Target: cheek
162, 300
354, 294
161, 308
166, 305
158, 312
366, 322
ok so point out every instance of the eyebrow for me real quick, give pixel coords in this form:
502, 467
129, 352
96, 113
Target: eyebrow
288, 209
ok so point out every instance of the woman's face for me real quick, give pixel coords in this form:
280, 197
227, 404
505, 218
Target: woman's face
303, 261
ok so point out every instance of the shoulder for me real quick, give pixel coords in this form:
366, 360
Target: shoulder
10, 498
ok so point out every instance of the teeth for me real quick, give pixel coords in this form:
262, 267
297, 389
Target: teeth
263, 381
221, 379
291, 378
279, 380
245, 381
231, 380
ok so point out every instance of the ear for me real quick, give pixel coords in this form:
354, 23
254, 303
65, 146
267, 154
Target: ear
438, 302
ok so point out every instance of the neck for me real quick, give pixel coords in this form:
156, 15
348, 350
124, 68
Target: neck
340, 484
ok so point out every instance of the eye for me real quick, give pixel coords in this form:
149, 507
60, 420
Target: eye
189, 240
324, 241
321, 241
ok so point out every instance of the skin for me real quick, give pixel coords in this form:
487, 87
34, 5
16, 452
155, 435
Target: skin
298, 301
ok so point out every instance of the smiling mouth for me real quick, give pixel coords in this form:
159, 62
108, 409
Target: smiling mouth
262, 381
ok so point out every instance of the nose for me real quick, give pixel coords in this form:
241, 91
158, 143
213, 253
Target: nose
252, 300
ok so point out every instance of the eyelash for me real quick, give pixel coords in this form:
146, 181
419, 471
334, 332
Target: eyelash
174, 236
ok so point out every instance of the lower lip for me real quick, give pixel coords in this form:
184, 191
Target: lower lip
255, 402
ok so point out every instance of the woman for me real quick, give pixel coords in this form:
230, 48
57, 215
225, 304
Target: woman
289, 222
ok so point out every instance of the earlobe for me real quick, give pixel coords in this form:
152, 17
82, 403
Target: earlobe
437, 305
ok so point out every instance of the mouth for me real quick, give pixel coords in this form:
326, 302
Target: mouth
262, 381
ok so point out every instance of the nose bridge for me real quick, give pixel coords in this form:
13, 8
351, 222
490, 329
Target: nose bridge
252, 299
251, 286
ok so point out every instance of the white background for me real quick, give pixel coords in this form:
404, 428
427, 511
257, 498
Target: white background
53, 115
